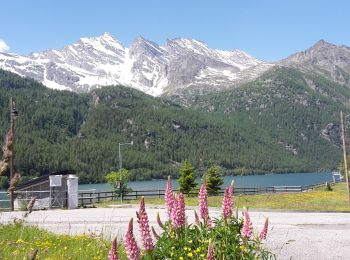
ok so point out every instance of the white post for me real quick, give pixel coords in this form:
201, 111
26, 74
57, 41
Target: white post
72, 191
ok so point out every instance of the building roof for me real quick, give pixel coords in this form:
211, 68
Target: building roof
41, 179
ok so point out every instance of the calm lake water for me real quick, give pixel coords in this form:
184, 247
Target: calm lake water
288, 179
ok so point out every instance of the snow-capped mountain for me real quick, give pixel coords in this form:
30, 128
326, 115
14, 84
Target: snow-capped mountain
156, 70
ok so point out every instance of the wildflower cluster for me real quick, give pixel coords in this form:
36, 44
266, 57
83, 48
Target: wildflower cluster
20, 241
225, 238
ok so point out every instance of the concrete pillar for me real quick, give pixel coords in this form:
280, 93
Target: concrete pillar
72, 191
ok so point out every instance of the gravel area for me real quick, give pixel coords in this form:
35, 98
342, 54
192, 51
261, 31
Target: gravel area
292, 235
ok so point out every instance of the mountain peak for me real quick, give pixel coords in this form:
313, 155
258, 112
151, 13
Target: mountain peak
105, 39
322, 44
101, 60
324, 58
106, 36
141, 40
185, 42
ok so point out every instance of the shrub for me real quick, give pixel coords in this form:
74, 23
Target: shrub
227, 237
113, 178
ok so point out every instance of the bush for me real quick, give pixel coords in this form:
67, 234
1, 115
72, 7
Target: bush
227, 237
113, 178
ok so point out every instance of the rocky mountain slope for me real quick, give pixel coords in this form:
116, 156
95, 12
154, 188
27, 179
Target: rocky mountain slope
326, 59
156, 70
58, 130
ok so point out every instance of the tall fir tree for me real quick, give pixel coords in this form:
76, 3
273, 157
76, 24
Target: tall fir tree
214, 179
187, 180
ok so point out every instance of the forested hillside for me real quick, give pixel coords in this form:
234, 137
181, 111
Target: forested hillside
289, 107
262, 126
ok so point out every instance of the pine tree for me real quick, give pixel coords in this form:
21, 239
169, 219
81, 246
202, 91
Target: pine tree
187, 180
214, 179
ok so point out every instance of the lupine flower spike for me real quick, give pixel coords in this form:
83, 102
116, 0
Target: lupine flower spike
263, 232
144, 227
113, 253
227, 205
210, 254
196, 219
7, 152
203, 204
160, 223
178, 212
155, 233
32, 255
30, 206
169, 197
13, 182
247, 229
131, 247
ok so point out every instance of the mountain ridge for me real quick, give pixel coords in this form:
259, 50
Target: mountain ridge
323, 58
59, 130
103, 60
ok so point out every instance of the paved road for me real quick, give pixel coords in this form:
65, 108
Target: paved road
291, 235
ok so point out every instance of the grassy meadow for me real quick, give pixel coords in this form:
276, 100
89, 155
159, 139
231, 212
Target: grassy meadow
316, 200
19, 241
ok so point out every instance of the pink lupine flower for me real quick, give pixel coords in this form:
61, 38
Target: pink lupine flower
181, 209
178, 212
210, 254
227, 204
247, 229
263, 232
113, 254
144, 227
203, 202
169, 197
131, 247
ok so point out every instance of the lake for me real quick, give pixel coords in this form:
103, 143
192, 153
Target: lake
268, 180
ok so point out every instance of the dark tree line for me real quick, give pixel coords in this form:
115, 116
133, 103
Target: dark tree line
58, 130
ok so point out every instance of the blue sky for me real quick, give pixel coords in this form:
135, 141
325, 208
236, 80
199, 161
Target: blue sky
267, 29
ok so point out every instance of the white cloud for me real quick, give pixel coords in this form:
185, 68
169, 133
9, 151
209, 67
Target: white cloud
3, 46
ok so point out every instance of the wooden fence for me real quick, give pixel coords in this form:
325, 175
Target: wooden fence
90, 197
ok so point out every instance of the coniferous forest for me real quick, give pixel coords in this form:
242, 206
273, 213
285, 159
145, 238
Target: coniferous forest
261, 127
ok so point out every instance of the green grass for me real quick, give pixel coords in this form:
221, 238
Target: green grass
17, 241
316, 200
